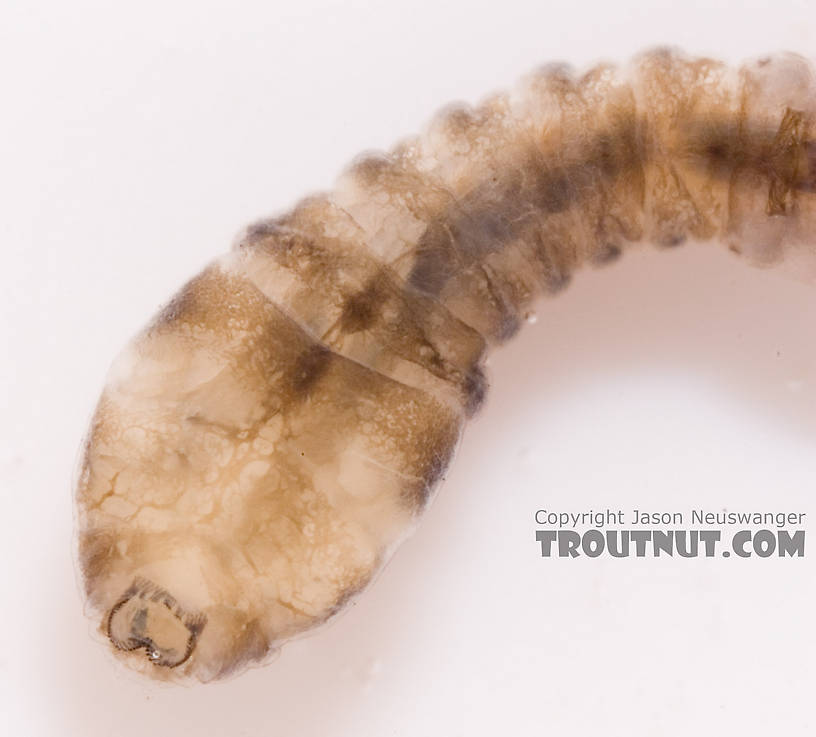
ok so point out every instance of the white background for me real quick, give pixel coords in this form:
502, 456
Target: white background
136, 140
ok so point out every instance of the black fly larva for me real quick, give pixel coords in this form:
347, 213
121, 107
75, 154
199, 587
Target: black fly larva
268, 440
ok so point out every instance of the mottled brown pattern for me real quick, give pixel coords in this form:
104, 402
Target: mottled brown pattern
270, 438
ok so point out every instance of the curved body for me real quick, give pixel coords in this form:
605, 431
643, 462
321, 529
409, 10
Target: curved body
269, 439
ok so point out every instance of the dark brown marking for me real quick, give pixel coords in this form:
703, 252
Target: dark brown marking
607, 254
310, 366
554, 192
362, 310
436, 258
476, 386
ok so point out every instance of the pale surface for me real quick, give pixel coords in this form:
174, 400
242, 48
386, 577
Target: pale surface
467, 600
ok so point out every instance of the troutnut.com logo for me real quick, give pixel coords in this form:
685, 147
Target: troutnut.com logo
642, 534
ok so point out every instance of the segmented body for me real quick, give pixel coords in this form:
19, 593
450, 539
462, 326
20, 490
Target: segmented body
263, 446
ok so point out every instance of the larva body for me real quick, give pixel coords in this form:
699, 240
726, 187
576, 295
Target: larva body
277, 430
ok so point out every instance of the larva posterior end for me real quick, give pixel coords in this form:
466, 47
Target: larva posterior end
148, 618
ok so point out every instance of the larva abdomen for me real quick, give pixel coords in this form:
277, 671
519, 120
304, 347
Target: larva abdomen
263, 446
